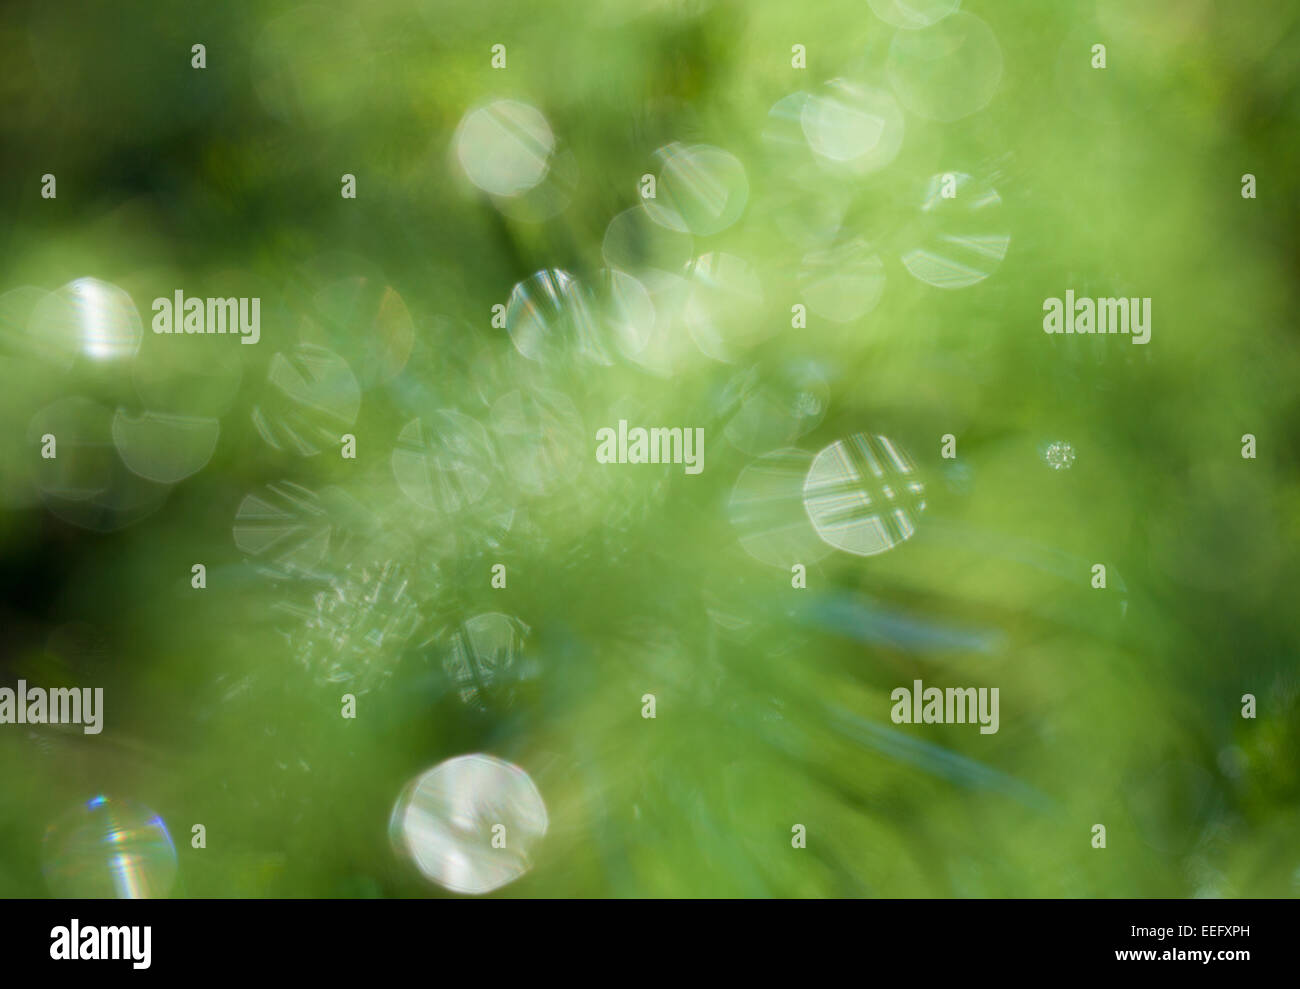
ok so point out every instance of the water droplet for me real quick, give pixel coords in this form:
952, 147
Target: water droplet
443, 462
285, 528
767, 510
724, 308
701, 189
311, 399
626, 311
483, 660
948, 70
541, 439
852, 126
505, 147
164, 448
549, 320
862, 494
669, 346
87, 317
444, 821
633, 240
109, 849
958, 241
775, 409
87, 483
1059, 456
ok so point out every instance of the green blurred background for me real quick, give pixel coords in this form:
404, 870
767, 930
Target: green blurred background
222, 706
